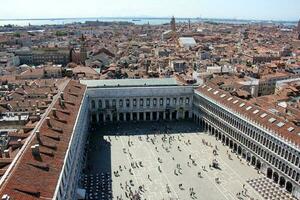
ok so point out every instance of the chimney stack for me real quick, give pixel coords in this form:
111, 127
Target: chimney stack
6, 153
19, 142
62, 95
62, 102
54, 112
35, 150
48, 121
37, 134
5, 197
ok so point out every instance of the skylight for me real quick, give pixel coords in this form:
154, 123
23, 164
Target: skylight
223, 95
235, 101
263, 115
291, 129
272, 120
255, 111
216, 92
242, 104
280, 124
249, 107
229, 99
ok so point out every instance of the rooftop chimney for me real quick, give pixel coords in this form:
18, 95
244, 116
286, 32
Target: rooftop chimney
19, 142
48, 121
5, 197
54, 112
6, 153
62, 102
37, 134
62, 95
35, 150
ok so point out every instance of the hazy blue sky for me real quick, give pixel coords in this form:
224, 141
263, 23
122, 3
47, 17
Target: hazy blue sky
240, 9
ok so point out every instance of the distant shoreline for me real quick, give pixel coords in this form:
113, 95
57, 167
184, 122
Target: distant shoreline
153, 18
136, 20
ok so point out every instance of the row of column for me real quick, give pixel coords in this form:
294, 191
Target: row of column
106, 103
109, 116
251, 159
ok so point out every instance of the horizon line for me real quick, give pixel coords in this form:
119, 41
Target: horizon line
148, 17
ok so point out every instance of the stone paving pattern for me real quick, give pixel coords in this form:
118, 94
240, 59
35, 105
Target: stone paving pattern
110, 152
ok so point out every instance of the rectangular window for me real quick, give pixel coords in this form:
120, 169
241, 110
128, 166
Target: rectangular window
168, 101
154, 102
181, 101
121, 103
141, 102
174, 101
161, 101
148, 102
127, 103
106, 104
187, 101
134, 102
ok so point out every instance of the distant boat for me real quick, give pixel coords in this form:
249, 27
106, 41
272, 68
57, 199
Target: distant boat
136, 20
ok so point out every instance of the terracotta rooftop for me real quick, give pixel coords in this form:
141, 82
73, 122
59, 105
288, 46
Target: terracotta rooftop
277, 126
35, 176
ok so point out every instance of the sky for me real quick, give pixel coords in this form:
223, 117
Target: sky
232, 9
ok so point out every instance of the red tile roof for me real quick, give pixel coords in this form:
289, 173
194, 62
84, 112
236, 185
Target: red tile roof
36, 177
279, 127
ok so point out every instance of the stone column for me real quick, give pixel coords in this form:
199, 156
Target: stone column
96, 104
164, 115
144, 113
138, 103
157, 116
110, 117
97, 117
131, 116
138, 116
177, 115
151, 116
118, 116
124, 117
130, 104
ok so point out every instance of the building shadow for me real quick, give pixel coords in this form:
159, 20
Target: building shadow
150, 127
98, 170
98, 175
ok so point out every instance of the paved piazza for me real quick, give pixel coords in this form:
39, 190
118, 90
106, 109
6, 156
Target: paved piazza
157, 157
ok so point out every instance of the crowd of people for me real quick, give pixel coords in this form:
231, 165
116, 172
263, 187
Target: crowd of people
168, 148
160, 141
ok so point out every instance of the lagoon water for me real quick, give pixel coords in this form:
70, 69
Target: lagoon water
138, 21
